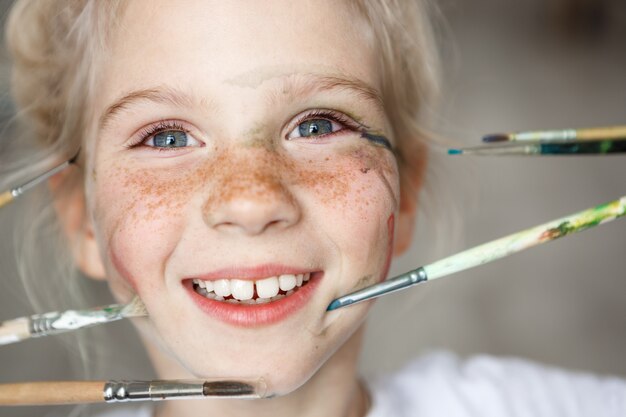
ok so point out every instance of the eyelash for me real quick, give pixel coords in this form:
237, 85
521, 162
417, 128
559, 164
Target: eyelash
332, 116
162, 126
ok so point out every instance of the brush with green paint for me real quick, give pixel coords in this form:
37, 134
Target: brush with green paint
489, 252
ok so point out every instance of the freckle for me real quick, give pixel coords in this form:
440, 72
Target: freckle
365, 170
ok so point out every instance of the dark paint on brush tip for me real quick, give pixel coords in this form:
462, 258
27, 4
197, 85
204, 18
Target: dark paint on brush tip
496, 137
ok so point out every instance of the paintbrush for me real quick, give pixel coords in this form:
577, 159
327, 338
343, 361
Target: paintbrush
53, 323
547, 148
80, 392
7, 196
490, 251
594, 133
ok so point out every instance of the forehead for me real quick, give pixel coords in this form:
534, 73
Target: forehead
238, 43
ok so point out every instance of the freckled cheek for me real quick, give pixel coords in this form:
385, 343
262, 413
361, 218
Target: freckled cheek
139, 232
357, 206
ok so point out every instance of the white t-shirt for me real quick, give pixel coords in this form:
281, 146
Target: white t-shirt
442, 385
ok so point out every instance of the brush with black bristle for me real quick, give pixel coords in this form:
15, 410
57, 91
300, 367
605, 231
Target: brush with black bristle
10, 195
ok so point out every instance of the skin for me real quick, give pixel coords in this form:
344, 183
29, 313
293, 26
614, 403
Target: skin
245, 195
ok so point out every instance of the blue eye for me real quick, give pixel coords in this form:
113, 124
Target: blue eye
315, 127
320, 123
167, 135
170, 139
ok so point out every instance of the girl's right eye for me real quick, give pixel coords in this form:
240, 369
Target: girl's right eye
170, 139
166, 135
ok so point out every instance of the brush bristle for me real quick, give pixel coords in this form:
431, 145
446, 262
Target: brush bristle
135, 308
455, 151
75, 157
496, 137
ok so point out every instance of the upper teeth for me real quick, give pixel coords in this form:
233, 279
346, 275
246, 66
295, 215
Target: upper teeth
242, 290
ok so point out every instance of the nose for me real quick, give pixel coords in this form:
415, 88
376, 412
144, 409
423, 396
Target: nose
250, 202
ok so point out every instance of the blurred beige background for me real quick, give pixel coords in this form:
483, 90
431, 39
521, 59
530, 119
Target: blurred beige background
509, 65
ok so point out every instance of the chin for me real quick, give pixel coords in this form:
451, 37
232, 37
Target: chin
286, 357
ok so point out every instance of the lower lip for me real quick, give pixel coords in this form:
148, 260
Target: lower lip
251, 315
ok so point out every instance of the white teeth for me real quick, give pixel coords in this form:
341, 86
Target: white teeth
267, 287
287, 282
222, 287
241, 289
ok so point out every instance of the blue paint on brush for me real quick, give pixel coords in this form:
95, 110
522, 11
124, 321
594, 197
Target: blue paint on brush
377, 140
455, 151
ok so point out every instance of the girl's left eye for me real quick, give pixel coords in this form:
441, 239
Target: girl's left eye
320, 124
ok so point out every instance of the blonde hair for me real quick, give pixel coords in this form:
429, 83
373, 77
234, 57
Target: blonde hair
56, 46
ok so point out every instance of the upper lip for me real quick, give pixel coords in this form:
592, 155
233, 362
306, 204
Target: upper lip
251, 273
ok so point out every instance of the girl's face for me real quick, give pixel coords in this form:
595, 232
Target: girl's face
229, 155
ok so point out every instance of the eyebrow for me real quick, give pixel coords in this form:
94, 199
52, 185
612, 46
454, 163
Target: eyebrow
292, 86
295, 87
162, 94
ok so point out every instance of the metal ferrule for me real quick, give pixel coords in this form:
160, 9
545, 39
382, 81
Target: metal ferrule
395, 284
59, 322
124, 391
43, 324
567, 134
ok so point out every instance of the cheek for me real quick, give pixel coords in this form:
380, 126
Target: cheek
138, 223
358, 181
355, 198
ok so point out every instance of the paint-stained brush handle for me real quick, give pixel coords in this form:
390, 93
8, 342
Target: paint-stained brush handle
53, 323
490, 251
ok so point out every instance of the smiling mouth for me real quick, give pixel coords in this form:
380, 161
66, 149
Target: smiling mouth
261, 291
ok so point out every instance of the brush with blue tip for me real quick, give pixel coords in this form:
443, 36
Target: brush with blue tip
591, 141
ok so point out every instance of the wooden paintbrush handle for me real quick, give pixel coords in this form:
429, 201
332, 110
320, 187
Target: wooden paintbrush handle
12, 331
52, 392
5, 198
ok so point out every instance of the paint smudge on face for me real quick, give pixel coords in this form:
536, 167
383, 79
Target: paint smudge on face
390, 233
121, 269
363, 282
377, 140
